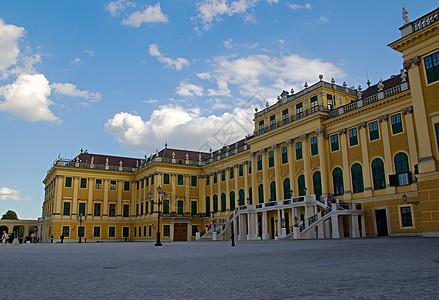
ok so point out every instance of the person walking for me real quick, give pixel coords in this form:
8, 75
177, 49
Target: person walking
4, 238
62, 238
51, 239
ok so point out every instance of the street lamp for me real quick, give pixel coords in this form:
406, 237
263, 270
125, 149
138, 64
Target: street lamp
404, 198
161, 197
81, 218
291, 193
276, 227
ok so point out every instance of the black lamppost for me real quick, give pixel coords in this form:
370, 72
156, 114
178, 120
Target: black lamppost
276, 227
161, 197
81, 218
233, 235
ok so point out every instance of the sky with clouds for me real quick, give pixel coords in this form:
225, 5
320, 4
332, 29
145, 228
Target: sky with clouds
125, 77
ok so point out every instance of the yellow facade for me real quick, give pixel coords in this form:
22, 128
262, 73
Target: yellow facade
377, 147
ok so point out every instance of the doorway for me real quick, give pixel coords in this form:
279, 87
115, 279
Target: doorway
180, 232
381, 221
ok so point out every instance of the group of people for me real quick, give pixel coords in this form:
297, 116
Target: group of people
7, 238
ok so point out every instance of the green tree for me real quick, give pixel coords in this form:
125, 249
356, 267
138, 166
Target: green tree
10, 215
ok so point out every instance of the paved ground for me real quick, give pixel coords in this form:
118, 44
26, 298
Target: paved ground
372, 268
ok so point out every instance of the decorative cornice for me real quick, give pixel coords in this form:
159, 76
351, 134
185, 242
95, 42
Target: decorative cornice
275, 147
303, 137
262, 151
289, 142
407, 110
361, 125
383, 118
342, 131
413, 61
320, 132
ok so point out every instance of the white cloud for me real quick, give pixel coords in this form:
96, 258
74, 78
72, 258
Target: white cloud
183, 128
28, 98
151, 14
76, 61
323, 19
210, 10
150, 101
9, 51
228, 43
117, 6
72, 90
204, 75
298, 6
189, 90
177, 63
89, 52
9, 194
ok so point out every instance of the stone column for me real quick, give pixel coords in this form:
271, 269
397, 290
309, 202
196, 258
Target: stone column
355, 227
323, 159
187, 196
58, 194
264, 176
388, 160
413, 152
246, 187
277, 175
75, 195
173, 204
236, 175
306, 163
90, 196
265, 235
345, 160
211, 192
227, 189
291, 166
201, 194
254, 183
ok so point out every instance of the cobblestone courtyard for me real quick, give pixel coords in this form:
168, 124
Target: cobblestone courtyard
372, 268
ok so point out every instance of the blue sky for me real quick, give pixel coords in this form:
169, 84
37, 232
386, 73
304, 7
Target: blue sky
125, 77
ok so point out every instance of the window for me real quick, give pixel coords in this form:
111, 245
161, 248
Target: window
261, 193
112, 210
272, 122
223, 202
144, 230
299, 150
250, 166
166, 206
137, 209
112, 185
150, 230
208, 206
207, 179
259, 161
436, 127
337, 180
111, 232
241, 197
223, 175
126, 186
146, 181
126, 210
396, 123
166, 230
137, 185
232, 172
179, 207
141, 209
66, 209
241, 170
180, 179
98, 184
272, 191
194, 230
285, 118
317, 183
270, 159
261, 127
135, 231
165, 178
193, 180
97, 210
250, 195
215, 203
353, 137
301, 184
329, 101
68, 182
314, 148
66, 231
373, 131
432, 67
299, 110
406, 216
215, 177
403, 175
287, 189
284, 152
194, 207
232, 200
142, 183
378, 177
96, 231
314, 104
357, 178
334, 142
81, 208
152, 180
125, 231
83, 183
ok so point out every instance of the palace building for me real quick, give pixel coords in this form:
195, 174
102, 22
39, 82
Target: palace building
325, 162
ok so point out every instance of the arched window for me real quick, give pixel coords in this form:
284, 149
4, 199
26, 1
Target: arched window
317, 183
378, 176
402, 169
241, 197
208, 206
337, 179
215, 204
261, 193
357, 178
301, 184
273, 191
223, 202
287, 189
250, 195
232, 200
